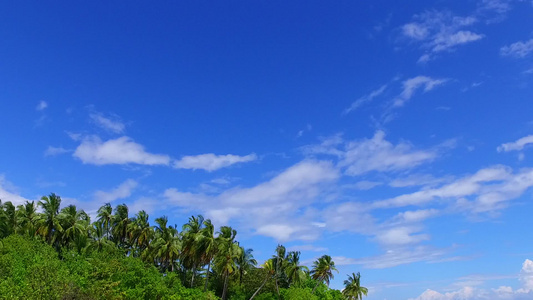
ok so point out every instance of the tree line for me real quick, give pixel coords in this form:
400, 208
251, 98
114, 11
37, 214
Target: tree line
209, 261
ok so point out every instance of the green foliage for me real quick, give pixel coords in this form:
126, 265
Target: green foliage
31, 270
53, 252
298, 294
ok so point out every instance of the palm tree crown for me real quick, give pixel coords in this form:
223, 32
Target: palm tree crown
353, 289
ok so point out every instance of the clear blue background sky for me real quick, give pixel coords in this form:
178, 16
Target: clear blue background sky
391, 135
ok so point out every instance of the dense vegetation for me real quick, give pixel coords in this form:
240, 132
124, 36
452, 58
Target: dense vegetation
57, 253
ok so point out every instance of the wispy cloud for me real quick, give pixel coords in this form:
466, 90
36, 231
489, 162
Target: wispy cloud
411, 85
307, 248
122, 191
41, 106
438, 31
8, 192
211, 162
52, 151
365, 99
471, 292
378, 154
372, 154
490, 189
396, 257
275, 208
519, 49
111, 124
516, 145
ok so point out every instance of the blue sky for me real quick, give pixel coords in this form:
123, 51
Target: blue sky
394, 136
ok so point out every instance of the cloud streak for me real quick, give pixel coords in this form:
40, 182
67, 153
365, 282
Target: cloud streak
211, 162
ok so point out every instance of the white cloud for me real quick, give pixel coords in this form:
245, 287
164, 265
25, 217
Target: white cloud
498, 6
417, 180
364, 185
211, 162
42, 105
440, 31
396, 257
307, 248
378, 154
280, 207
500, 293
517, 145
526, 275
489, 189
108, 124
365, 99
448, 41
8, 193
120, 192
411, 85
52, 151
518, 49
400, 236
415, 216
122, 150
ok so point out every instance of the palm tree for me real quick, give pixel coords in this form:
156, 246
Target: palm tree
166, 246
280, 264
228, 251
295, 272
105, 217
49, 226
207, 246
353, 289
99, 240
27, 215
323, 270
245, 261
270, 267
3, 221
75, 225
190, 255
140, 232
10, 220
120, 221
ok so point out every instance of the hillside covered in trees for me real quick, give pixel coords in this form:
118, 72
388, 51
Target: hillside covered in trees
49, 252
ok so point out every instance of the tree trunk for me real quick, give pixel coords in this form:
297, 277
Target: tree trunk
193, 273
224, 291
315, 287
207, 276
262, 285
277, 288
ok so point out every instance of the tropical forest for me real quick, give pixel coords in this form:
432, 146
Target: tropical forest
52, 252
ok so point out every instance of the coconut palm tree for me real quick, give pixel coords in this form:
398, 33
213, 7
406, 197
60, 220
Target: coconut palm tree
105, 217
3, 221
27, 216
353, 289
323, 270
280, 264
228, 251
245, 261
270, 267
140, 232
191, 257
75, 225
10, 220
295, 272
120, 222
166, 246
207, 246
49, 226
99, 240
